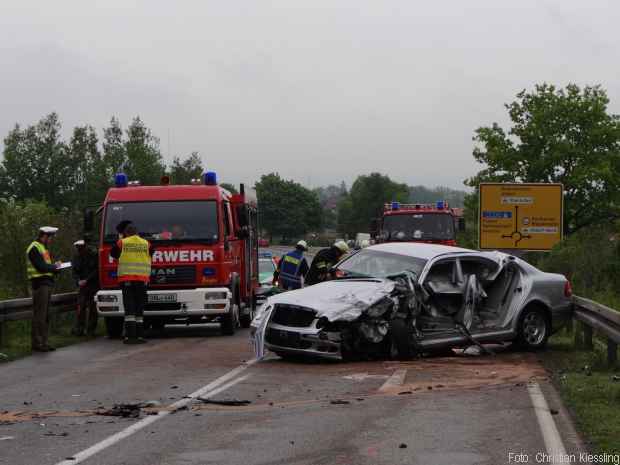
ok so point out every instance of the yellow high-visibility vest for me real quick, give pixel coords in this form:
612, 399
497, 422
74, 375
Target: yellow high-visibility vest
32, 271
134, 264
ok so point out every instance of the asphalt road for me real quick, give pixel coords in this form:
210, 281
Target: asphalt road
439, 410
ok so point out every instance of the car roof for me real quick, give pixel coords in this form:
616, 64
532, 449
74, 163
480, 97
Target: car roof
418, 249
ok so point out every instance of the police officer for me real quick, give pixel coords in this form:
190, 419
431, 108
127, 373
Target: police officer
324, 260
134, 270
86, 275
41, 272
292, 268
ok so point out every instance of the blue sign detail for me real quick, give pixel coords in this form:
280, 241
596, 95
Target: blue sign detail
112, 274
496, 215
208, 271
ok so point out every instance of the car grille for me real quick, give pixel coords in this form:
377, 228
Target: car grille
286, 339
173, 275
292, 315
159, 306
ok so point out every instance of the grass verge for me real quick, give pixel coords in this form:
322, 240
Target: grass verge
589, 388
17, 336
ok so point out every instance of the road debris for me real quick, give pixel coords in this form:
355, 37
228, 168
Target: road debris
50, 433
553, 411
402, 445
6, 438
226, 402
123, 410
339, 402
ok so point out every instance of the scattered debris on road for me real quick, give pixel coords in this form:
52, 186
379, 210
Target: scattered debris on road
339, 402
402, 445
6, 438
62, 435
226, 402
553, 411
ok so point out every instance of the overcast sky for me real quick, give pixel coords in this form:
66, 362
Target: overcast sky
319, 90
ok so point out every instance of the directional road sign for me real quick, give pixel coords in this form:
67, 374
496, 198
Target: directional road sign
520, 216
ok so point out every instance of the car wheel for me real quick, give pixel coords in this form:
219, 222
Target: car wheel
401, 340
114, 327
534, 329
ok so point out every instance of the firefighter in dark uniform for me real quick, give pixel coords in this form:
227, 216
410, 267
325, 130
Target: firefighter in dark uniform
41, 272
86, 275
134, 270
292, 268
324, 260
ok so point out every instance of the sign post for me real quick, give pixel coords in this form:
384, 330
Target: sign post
520, 216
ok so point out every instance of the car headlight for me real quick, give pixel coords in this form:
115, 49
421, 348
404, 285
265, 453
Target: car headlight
216, 296
107, 298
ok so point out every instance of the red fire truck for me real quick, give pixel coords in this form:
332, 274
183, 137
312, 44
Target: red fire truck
435, 223
205, 264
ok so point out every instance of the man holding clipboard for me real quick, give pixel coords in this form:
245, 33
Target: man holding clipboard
41, 272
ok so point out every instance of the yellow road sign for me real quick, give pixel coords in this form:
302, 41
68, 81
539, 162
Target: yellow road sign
520, 216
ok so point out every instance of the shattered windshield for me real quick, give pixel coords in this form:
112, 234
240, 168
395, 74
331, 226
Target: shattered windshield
377, 264
165, 221
418, 226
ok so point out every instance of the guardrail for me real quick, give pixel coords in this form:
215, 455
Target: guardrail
21, 309
593, 316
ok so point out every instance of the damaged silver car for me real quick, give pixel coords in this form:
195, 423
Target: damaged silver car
398, 299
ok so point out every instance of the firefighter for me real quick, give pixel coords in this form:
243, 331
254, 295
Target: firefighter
41, 272
324, 260
134, 270
292, 268
86, 275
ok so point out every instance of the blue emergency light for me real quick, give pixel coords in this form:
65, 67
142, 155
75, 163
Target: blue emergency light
395, 206
210, 178
208, 272
121, 180
440, 205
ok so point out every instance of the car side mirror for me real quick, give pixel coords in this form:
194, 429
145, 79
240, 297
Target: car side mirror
243, 216
461, 224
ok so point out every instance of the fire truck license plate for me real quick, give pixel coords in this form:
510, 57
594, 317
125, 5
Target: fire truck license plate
162, 298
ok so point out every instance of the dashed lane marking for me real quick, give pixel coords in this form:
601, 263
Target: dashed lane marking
393, 382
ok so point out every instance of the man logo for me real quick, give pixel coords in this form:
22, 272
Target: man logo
160, 275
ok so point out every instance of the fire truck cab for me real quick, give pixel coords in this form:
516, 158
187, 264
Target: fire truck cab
434, 223
205, 260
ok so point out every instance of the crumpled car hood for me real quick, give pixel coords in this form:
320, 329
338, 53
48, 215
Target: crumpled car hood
338, 300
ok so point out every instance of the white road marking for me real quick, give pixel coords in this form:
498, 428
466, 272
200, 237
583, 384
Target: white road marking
551, 435
397, 379
212, 388
363, 376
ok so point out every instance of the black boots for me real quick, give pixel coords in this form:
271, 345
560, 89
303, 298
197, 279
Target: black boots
134, 333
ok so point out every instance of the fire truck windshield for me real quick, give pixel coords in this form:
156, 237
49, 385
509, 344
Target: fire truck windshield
165, 221
418, 226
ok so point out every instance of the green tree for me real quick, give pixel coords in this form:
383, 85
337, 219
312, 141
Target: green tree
365, 201
286, 208
183, 171
114, 153
36, 164
88, 172
558, 135
144, 161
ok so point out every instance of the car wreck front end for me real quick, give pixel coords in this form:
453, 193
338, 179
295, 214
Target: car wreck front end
332, 320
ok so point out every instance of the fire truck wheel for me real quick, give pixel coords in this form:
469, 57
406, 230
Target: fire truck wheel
114, 327
230, 321
246, 318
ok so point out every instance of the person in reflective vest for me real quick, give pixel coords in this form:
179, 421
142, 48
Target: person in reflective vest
41, 272
292, 268
134, 271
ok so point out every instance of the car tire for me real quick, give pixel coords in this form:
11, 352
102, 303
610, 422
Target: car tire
401, 340
114, 327
534, 329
